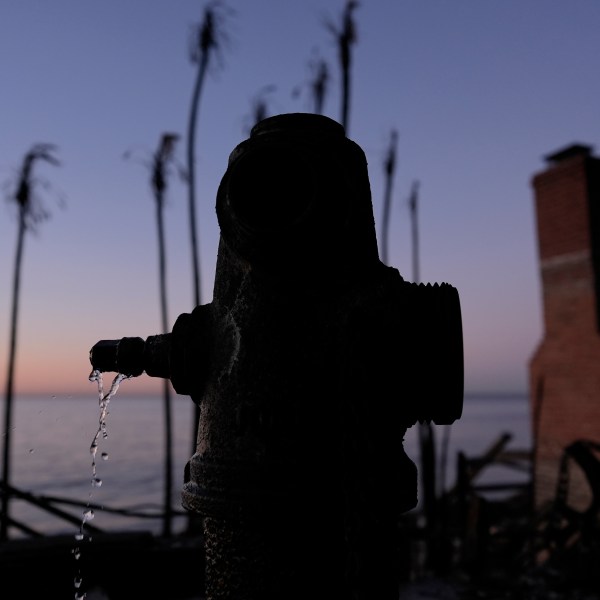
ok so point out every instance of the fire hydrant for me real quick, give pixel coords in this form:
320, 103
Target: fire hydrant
309, 364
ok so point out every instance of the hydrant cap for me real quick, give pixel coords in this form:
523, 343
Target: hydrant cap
303, 123
297, 194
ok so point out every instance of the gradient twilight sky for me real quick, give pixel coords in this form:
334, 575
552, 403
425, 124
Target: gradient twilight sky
479, 93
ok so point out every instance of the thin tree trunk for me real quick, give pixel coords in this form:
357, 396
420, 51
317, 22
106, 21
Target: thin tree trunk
192, 209
389, 169
346, 95
191, 166
168, 487
8, 400
387, 199
426, 430
414, 208
319, 87
346, 37
162, 264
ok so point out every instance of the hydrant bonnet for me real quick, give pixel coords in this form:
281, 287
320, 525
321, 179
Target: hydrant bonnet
295, 195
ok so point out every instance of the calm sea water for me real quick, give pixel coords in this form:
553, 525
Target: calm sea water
51, 452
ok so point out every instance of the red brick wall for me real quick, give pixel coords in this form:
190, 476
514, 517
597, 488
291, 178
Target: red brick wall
562, 208
565, 369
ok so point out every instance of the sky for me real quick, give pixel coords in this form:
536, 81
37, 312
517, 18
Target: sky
479, 92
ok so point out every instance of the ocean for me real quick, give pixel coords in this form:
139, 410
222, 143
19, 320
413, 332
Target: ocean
52, 436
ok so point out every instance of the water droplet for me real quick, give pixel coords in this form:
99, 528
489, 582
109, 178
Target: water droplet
103, 401
88, 515
77, 581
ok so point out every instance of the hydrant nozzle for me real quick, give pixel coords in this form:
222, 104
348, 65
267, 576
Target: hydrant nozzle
133, 356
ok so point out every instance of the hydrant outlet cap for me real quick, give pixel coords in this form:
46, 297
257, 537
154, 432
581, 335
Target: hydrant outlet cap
123, 356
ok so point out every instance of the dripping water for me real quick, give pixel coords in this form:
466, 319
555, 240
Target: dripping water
101, 433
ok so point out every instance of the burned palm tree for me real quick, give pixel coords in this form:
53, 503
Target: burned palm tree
345, 37
259, 106
389, 168
413, 204
159, 166
160, 163
319, 85
206, 42
319, 79
427, 442
30, 214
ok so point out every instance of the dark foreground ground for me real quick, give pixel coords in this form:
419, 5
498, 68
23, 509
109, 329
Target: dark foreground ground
482, 549
479, 550
136, 566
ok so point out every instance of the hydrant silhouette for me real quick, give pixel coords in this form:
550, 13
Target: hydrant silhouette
309, 364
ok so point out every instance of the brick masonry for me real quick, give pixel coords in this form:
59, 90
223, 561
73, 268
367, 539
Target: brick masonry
565, 367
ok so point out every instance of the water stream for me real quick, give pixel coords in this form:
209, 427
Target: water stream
101, 433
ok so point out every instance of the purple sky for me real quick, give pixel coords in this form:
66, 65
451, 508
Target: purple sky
478, 91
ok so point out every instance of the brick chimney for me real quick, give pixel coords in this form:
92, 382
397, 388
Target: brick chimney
565, 368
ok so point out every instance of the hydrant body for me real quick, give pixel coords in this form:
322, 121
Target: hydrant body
309, 364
